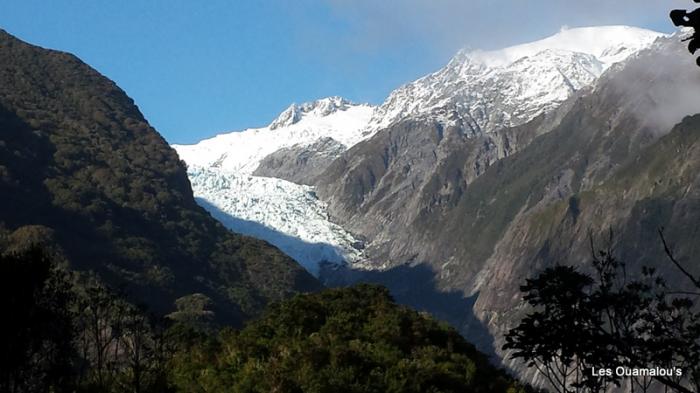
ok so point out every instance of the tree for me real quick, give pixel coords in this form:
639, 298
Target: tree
193, 312
143, 353
562, 337
99, 321
606, 320
36, 335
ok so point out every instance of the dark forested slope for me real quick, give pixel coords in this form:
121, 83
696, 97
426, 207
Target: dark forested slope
79, 162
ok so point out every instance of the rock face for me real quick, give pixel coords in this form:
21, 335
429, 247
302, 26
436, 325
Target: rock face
301, 164
414, 173
78, 161
481, 212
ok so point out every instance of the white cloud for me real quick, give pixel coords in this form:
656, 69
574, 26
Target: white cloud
451, 24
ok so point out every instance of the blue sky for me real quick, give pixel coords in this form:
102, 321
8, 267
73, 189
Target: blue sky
197, 68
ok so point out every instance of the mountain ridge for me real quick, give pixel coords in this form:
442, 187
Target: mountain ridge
301, 125
509, 87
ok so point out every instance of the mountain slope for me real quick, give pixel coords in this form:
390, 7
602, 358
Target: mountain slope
412, 189
652, 188
78, 159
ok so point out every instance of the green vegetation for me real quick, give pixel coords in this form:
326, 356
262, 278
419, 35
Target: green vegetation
340, 340
70, 333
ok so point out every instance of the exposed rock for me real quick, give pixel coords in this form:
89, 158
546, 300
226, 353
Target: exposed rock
300, 164
484, 212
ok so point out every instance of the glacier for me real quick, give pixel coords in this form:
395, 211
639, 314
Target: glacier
286, 214
283, 213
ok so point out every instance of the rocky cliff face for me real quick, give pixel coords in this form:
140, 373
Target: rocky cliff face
301, 164
415, 173
484, 212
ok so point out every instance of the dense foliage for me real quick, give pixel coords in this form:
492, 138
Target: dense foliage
35, 335
340, 340
70, 333
79, 159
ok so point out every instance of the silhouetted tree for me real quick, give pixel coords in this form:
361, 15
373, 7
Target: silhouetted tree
100, 320
689, 19
605, 320
562, 338
36, 332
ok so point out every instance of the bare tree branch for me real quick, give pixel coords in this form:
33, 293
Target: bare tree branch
675, 262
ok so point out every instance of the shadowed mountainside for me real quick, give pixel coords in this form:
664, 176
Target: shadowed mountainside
78, 159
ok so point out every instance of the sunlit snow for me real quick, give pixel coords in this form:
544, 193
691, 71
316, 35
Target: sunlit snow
286, 214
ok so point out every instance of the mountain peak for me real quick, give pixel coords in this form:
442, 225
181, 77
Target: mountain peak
300, 124
510, 86
319, 108
609, 44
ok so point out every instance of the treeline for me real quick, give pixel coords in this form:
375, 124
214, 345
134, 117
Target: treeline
67, 332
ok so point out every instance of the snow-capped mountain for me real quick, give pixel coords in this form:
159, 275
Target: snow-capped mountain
485, 90
241, 152
508, 87
321, 108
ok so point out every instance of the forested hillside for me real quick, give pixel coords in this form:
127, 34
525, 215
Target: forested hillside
82, 171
